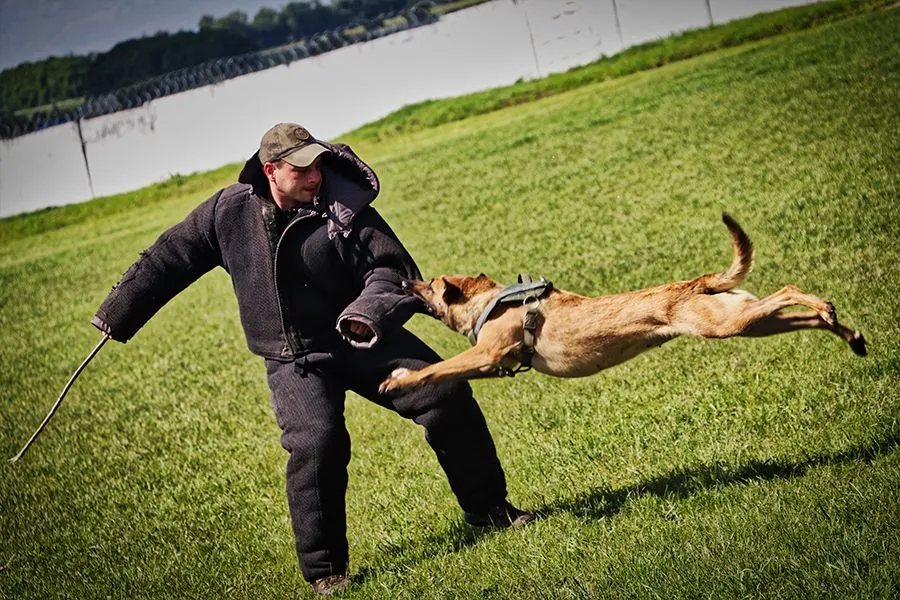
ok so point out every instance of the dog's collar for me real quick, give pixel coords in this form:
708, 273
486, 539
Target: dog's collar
524, 291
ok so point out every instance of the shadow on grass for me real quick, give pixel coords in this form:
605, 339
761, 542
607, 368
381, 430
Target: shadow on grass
603, 502
457, 537
600, 502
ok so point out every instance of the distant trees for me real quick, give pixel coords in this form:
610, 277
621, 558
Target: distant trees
135, 60
302, 19
36, 84
298, 20
55, 79
269, 26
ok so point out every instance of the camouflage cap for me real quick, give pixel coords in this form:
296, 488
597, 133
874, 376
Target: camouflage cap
291, 143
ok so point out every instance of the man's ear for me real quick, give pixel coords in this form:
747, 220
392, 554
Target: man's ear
451, 292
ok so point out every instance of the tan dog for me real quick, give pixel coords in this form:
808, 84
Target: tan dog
577, 336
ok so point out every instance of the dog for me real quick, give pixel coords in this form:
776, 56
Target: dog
577, 336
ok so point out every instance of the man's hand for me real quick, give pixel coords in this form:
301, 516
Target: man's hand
357, 332
361, 331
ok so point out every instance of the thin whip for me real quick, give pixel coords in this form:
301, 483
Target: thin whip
59, 400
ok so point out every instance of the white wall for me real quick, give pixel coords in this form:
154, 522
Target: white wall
45, 168
485, 46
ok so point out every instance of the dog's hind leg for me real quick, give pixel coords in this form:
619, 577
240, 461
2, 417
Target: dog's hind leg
782, 322
791, 295
721, 316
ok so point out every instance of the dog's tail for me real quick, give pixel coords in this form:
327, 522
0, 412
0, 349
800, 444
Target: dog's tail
740, 265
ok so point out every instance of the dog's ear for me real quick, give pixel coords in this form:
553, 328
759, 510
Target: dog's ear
481, 276
451, 293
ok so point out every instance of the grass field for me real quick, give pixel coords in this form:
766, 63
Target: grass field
744, 468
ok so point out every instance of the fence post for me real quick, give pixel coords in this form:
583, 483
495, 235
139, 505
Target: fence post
618, 26
87, 166
537, 65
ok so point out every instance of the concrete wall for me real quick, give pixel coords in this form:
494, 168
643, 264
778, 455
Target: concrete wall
489, 45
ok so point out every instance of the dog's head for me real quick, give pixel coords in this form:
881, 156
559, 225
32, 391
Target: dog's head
457, 300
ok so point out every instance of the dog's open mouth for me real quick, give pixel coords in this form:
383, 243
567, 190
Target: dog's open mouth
408, 287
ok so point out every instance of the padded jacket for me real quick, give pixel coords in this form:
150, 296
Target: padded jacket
299, 277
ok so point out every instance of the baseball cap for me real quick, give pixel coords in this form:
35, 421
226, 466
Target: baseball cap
291, 143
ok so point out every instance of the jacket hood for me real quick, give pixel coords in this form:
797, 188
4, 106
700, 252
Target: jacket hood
349, 185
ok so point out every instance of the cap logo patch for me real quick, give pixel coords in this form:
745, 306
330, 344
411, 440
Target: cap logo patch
301, 134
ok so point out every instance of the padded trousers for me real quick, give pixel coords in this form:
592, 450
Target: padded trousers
308, 401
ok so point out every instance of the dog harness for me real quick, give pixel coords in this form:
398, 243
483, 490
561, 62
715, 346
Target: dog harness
528, 292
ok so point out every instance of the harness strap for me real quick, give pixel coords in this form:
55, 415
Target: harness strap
528, 292
528, 328
519, 292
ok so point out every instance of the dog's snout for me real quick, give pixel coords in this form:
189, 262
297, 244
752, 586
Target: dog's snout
406, 285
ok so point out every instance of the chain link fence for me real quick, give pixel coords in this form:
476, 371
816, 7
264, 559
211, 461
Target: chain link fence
218, 70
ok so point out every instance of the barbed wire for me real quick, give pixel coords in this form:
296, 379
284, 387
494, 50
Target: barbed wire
222, 69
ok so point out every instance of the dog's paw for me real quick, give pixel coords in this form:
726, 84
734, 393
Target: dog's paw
397, 381
400, 373
830, 314
858, 344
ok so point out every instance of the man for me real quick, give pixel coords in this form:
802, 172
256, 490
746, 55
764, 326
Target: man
318, 274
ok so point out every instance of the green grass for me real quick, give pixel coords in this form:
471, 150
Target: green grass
58, 217
51, 107
645, 56
744, 468
443, 9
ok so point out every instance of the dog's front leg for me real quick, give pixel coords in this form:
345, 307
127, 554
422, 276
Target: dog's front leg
474, 362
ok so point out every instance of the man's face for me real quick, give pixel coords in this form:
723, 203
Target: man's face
297, 184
